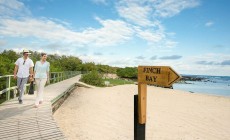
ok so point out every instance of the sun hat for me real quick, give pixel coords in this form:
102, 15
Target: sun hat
26, 51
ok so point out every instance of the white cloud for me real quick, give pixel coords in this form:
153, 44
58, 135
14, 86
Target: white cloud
13, 8
169, 8
120, 62
139, 18
2, 43
145, 16
209, 24
151, 36
144, 12
135, 13
140, 57
170, 43
111, 33
190, 65
211, 57
100, 1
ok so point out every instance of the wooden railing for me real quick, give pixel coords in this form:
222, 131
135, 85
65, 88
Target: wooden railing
10, 88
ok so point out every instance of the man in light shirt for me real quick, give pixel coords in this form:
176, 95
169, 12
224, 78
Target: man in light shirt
22, 71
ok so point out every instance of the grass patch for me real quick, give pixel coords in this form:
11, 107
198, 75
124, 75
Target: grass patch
115, 82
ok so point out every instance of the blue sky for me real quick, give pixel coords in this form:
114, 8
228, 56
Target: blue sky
191, 36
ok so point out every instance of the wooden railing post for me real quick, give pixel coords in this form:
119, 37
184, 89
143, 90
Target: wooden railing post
15, 93
50, 78
25, 89
54, 77
57, 77
8, 86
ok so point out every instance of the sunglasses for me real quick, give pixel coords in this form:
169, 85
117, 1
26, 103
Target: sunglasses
24, 62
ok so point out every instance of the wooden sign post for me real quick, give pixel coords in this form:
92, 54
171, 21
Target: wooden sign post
142, 97
163, 76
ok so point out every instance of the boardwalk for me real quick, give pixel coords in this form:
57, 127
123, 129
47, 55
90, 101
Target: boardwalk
24, 122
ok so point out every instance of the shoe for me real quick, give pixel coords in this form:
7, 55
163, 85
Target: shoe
40, 102
20, 102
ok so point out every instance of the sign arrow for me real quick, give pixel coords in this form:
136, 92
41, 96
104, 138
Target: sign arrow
163, 76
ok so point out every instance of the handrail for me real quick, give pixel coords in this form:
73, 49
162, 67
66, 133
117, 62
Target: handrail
5, 76
54, 78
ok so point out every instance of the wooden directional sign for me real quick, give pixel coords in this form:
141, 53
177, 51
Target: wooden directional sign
163, 76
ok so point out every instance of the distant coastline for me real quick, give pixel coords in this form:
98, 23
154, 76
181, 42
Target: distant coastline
216, 85
200, 78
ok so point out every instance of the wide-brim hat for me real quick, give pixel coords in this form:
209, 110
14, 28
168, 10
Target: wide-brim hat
26, 51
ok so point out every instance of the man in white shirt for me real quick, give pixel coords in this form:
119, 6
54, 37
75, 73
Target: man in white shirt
22, 71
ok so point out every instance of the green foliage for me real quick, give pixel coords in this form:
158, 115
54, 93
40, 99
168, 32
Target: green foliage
57, 64
116, 82
93, 78
106, 69
90, 66
35, 56
7, 60
70, 63
127, 72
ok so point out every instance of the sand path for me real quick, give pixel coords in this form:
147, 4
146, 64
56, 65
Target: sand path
107, 114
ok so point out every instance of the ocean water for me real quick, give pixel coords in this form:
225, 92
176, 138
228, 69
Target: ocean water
216, 85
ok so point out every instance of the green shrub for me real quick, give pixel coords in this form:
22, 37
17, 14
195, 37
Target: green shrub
93, 78
127, 72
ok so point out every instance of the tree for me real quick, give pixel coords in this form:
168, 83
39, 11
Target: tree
7, 60
90, 66
106, 69
127, 72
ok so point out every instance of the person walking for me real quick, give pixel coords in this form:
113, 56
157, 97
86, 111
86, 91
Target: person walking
41, 75
22, 71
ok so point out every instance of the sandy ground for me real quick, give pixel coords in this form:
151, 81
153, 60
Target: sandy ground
107, 114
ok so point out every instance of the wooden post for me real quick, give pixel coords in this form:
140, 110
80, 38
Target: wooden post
58, 76
15, 93
53, 78
50, 77
142, 97
8, 86
25, 90
139, 129
163, 76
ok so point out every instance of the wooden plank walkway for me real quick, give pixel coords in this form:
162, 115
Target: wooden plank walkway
24, 122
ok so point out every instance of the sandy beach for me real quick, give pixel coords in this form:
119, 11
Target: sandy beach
107, 114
